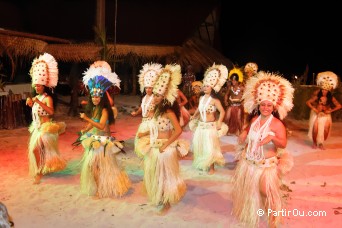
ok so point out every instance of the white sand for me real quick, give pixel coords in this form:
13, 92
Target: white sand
315, 181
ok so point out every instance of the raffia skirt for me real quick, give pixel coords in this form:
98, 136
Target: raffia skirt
99, 160
141, 143
322, 119
246, 195
162, 179
45, 139
206, 145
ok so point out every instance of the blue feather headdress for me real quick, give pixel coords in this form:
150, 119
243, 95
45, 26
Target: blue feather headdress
99, 78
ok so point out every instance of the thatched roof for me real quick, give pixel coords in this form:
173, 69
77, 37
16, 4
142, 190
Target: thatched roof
193, 51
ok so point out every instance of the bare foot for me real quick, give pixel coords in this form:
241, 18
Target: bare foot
164, 209
314, 146
37, 178
211, 170
320, 146
96, 196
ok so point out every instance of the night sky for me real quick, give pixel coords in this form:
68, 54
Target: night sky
284, 38
280, 37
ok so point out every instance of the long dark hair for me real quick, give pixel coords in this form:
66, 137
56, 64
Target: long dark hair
104, 103
165, 105
329, 97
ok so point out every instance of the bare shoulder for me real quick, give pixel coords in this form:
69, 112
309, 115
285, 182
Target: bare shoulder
277, 123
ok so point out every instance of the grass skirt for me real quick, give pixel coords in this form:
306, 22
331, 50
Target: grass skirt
100, 161
162, 178
45, 139
322, 119
142, 142
246, 195
236, 119
206, 146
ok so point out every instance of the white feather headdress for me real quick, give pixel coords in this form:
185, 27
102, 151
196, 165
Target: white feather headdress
215, 76
44, 71
167, 84
148, 75
327, 80
99, 77
271, 87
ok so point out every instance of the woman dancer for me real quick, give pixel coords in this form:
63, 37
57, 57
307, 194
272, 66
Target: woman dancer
43, 153
257, 178
233, 102
206, 144
162, 180
147, 78
101, 174
322, 104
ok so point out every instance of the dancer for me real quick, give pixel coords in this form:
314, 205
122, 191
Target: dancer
147, 78
233, 102
206, 144
182, 100
162, 180
196, 94
257, 178
101, 174
43, 153
322, 104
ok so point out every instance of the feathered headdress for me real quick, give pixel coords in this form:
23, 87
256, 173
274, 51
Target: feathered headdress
44, 71
251, 67
238, 72
327, 80
148, 75
196, 86
215, 76
271, 87
98, 78
167, 84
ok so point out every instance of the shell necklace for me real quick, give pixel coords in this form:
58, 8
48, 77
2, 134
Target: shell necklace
145, 105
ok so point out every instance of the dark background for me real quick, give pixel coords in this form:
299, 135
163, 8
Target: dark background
281, 36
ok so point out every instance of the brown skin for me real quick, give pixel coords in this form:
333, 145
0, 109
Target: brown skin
211, 116
318, 107
171, 135
47, 105
279, 140
148, 91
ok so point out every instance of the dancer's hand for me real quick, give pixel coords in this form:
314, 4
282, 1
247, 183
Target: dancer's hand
83, 116
29, 101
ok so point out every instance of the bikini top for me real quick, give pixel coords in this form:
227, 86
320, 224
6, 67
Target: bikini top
98, 120
159, 124
163, 124
323, 101
207, 107
36, 108
38, 111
